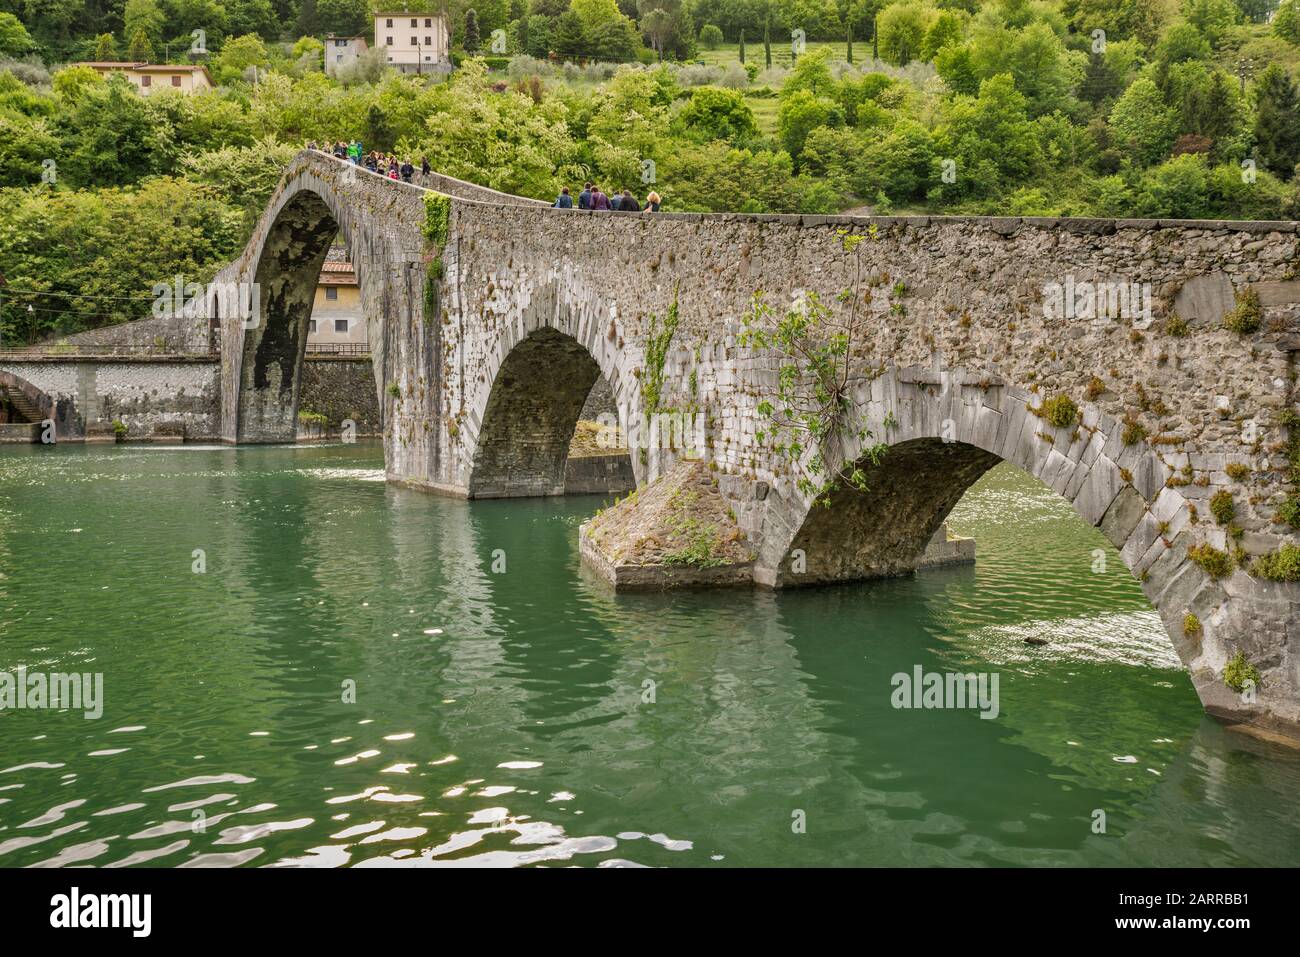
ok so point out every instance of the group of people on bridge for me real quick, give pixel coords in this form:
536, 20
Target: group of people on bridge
593, 198
385, 164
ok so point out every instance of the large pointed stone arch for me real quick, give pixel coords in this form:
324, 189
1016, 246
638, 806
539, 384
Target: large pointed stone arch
262, 350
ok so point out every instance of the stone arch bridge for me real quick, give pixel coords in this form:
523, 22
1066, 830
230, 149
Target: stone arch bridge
491, 316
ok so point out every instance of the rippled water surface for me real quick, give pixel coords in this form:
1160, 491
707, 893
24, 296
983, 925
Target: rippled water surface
531, 716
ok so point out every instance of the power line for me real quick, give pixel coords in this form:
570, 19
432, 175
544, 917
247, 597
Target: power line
75, 295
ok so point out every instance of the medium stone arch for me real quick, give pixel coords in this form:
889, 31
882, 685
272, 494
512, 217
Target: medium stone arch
544, 366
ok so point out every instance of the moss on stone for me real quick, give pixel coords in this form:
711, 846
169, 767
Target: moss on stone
1216, 563
1222, 506
436, 229
1246, 316
1060, 410
1238, 671
1281, 566
658, 342
1134, 431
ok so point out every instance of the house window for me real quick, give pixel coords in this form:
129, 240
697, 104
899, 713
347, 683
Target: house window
428, 22
428, 41
428, 58
388, 22
338, 58
340, 325
146, 80
414, 22
331, 293
176, 81
311, 325
415, 41
388, 40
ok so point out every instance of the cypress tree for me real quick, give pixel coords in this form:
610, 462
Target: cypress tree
848, 29
767, 44
471, 31
742, 47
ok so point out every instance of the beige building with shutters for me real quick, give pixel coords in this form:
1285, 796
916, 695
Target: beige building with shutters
414, 42
151, 77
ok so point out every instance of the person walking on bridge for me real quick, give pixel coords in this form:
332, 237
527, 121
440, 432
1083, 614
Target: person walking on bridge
584, 198
407, 171
599, 200
651, 203
425, 168
564, 200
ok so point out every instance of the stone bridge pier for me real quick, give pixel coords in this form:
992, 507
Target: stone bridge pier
492, 316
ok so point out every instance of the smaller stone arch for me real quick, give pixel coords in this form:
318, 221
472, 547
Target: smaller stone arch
547, 356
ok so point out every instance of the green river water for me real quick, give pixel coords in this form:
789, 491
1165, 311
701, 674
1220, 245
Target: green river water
528, 715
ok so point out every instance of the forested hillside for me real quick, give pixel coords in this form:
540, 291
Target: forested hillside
1128, 108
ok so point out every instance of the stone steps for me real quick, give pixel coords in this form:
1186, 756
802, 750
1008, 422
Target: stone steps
22, 405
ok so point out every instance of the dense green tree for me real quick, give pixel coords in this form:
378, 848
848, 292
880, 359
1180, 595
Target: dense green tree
111, 243
800, 113
1212, 18
615, 40
812, 73
110, 138
143, 15
1100, 84
1277, 121
343, 17
1207, 103
139, 49
1176, 189
1286, 22
989, 138
1144, 126
536, 36
569, 37
378, 133
105, 48
14, 39
1256, 11
903, 29
946, 29
710, 37
252, 16
72, 83
504, 141
717, 177
714, 114
237, 56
